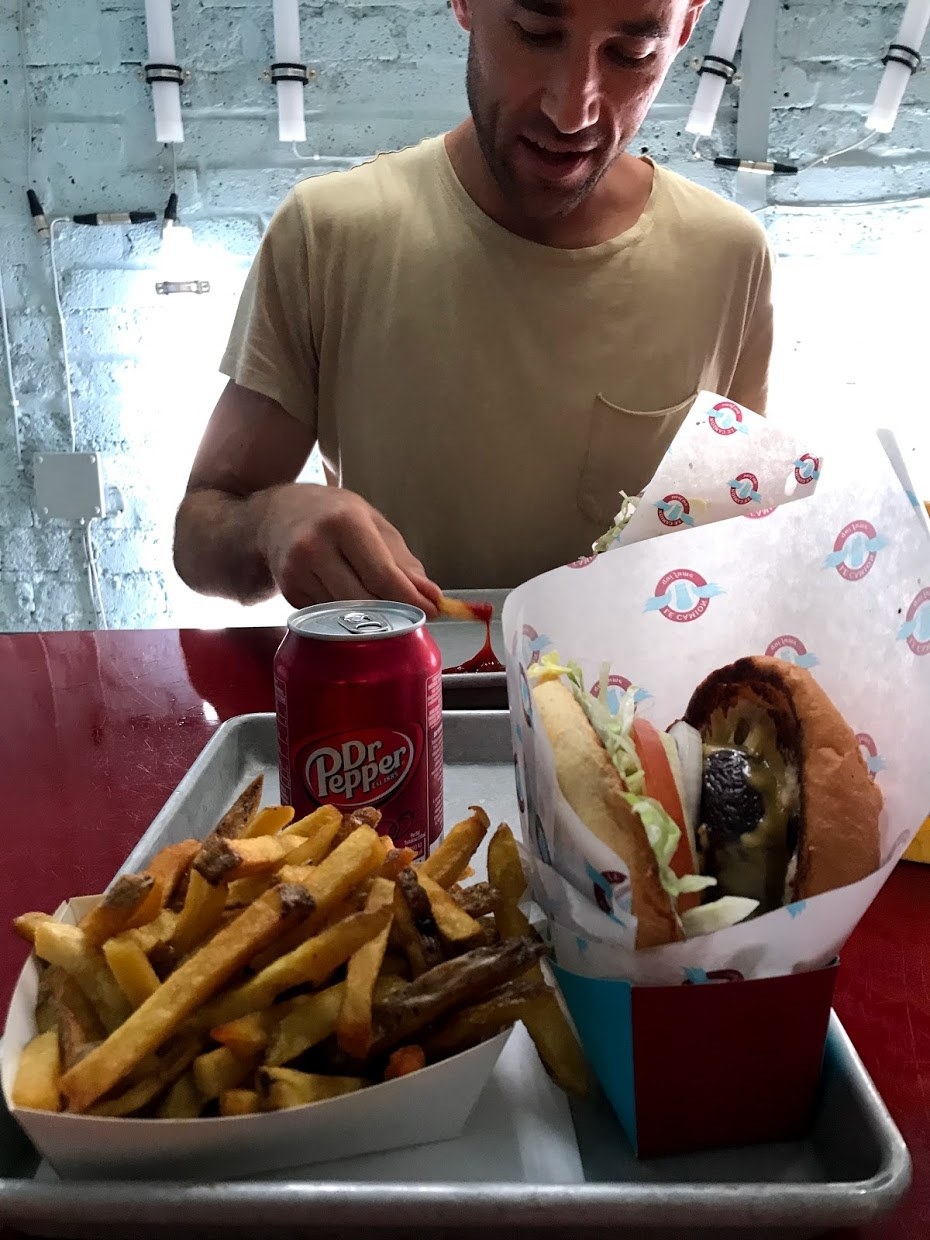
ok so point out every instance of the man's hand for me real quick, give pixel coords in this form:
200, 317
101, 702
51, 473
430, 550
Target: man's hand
321, 544
246, 529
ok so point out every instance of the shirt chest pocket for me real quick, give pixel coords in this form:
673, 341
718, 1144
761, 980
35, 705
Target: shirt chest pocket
623, 452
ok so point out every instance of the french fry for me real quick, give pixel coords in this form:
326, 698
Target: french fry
218, 1070
130, 966
158, 930
225, 861
182, 1101
480, 1021
395, 860
545, 1021
235, 821
281, 1088
312, 962
203, 908
166, 868
194, 981
416, 924
45, 1000
269, 821
249, 1034
79, 1027
354, 1025
446, 864
141, 1093
453, 923
26, 925
305, 1026
37, 1075
115, 911
368, 816
239, 1102
458, 981
478, 900
321, 825
67, 946
403, 1061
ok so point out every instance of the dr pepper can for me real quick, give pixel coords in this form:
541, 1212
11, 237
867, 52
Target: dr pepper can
358, 696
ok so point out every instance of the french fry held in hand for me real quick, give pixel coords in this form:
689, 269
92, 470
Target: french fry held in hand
281, 963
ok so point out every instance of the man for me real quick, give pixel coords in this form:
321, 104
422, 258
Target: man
489, 335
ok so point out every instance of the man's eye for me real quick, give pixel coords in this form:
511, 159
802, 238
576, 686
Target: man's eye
628, 61
536, 38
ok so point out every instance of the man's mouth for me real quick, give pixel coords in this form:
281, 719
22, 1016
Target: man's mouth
557, 162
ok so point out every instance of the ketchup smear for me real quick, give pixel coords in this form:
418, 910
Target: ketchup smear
485, 660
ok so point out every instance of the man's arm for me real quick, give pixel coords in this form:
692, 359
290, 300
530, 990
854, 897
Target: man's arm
246, 529
250, 447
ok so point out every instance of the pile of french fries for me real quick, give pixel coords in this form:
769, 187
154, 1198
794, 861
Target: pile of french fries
279, 963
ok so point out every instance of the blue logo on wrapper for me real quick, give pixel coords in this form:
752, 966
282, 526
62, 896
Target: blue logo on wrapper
526, 698
534, 645
674, 511
916, 627
807, 469
744, 489
682, 596
727, 419
792, 650
855, 550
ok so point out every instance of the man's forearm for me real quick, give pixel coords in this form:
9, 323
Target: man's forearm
218, 546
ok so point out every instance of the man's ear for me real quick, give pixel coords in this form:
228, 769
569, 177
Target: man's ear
695, 9
462, 11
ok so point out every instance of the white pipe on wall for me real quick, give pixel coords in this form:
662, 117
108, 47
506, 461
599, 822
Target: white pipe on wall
714, 72
292, 125
902, 62
166, 96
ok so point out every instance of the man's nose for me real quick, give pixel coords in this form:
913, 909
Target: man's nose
571, 99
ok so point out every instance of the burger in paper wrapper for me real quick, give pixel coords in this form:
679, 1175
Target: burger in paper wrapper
715, 792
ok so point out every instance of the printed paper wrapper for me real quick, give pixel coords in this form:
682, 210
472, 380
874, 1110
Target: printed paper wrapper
724, 460
838, 582
426, 1106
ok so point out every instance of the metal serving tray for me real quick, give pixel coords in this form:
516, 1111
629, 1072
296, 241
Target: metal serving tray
527, 1162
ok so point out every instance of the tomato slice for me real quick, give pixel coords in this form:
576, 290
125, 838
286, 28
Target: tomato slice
660, 786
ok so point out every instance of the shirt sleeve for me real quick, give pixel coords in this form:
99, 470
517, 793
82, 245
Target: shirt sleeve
271, 348
750, 386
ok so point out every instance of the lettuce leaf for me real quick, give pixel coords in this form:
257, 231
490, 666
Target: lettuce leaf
664, 836
616, 735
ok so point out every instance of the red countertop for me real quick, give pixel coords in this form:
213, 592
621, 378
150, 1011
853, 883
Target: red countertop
96, 729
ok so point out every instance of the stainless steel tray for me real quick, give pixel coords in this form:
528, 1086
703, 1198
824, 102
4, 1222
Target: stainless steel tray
553, 1170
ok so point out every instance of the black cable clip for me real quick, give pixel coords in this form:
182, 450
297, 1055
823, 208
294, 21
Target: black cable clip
719, 67
290, 71
901, 54
163, 73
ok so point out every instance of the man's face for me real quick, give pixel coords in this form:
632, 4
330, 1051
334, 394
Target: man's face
558, 88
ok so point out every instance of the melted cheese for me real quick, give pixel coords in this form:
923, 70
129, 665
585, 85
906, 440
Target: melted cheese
757, 864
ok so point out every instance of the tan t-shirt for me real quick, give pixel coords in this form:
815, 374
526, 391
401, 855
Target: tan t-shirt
492, 396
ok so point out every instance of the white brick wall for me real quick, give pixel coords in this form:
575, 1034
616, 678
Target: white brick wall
387, 74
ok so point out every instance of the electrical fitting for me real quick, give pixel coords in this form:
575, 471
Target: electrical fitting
901, 61
38, 215
718, 68
95, 219
753, 165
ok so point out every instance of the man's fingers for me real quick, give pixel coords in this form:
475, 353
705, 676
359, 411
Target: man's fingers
372, 560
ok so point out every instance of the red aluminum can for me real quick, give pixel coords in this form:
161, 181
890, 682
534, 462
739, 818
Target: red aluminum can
358, 696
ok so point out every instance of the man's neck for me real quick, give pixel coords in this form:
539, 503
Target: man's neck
614, 206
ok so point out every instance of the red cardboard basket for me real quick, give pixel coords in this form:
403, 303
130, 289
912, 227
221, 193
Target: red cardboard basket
706, 1065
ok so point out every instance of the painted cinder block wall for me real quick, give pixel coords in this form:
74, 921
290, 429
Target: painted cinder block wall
387, 72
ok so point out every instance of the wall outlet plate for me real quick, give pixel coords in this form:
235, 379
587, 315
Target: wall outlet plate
69, 484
